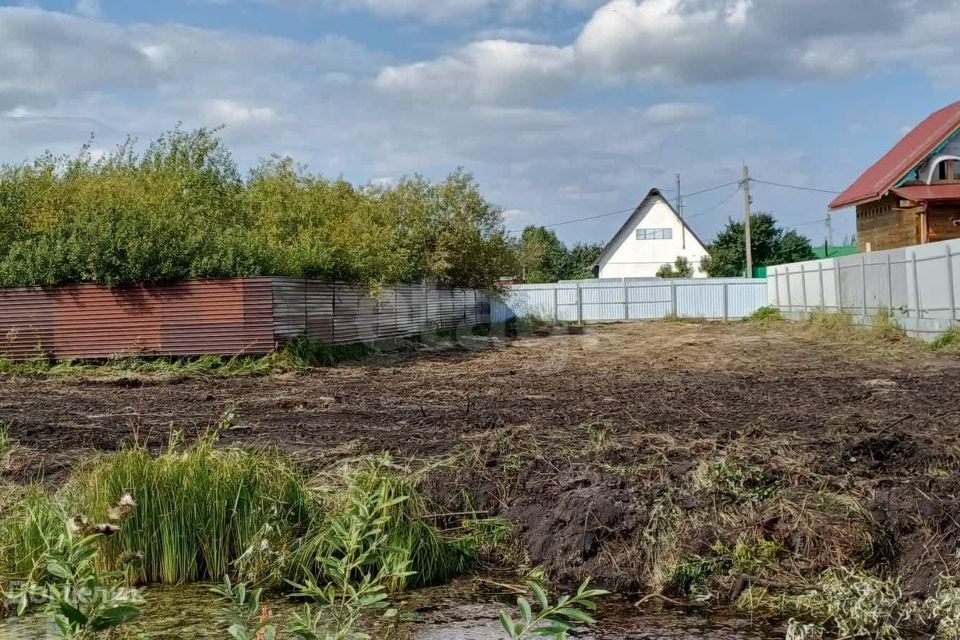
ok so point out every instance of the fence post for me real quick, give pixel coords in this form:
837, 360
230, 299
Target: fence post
950, 284
776, 284
306, 310
823, 291
838, 294
556, 306
626, 300
726, 298
863, 284
889, 282
673, 298
579, 304
803, 285
916, 288
789, 296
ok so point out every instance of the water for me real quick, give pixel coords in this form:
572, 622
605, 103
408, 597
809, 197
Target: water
465, 609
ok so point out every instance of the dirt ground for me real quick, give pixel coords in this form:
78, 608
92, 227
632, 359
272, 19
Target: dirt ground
586, 441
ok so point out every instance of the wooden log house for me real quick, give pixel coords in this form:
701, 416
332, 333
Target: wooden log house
912, 194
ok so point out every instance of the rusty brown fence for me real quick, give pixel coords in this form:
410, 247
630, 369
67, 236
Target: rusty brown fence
220, 317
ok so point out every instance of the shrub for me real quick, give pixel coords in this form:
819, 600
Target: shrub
948, 340
681, 268
764, 315
181, 209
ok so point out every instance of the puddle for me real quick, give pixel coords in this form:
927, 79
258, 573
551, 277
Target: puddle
465, 609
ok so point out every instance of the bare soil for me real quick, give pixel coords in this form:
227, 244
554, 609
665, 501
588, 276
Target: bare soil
586, 441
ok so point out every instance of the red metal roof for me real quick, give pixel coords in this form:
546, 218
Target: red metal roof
905, 155
928, 192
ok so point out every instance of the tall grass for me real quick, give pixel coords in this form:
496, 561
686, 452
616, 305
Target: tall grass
206, 512
199, 509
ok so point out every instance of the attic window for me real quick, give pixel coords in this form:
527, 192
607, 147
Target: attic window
655, 234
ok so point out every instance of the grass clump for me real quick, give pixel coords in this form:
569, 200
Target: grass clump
829, 320
765, 315
207, 512
884, 326
949, 340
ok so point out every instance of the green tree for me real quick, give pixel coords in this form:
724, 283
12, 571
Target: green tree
181, 209
681, 268
769, 245
545, 258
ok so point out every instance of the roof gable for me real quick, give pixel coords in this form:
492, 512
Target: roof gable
635, 218
906, 155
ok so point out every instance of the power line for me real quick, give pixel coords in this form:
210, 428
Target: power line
793, 186
566, 222
719, 186
622, 211
717, 205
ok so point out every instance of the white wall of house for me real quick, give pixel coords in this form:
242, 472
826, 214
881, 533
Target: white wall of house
633, 257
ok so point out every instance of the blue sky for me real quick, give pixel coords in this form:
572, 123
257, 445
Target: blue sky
562, 109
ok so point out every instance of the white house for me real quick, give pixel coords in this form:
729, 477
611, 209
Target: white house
653, 235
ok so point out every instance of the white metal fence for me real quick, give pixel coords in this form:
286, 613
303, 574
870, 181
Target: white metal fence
618, 299
919, 286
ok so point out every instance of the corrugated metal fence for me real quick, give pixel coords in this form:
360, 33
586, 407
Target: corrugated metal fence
618, 299
919, 286
336, 313
224, 317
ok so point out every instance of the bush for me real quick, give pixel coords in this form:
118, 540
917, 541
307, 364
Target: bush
681, 268
764, 315
948, 340
182, 210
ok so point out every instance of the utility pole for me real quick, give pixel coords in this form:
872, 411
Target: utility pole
683, 227
829, 230
746, 219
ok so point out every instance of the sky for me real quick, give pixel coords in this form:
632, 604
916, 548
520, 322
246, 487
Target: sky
562, 109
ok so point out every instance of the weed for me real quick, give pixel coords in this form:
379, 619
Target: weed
432, 555
851, 603
742, 483
551, 621
6, 443
884, 326
81, 599
948, 340
596, 437
765, 315
829, 320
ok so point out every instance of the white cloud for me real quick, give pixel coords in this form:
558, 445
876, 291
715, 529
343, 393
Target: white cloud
232, 113
688, 42
491, 70
677, 112
47, 55
450, 11
88, 8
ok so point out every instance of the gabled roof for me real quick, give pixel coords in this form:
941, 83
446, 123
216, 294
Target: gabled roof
905, 156
638, 213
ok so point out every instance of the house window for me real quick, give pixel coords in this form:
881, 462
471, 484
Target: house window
655, 234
